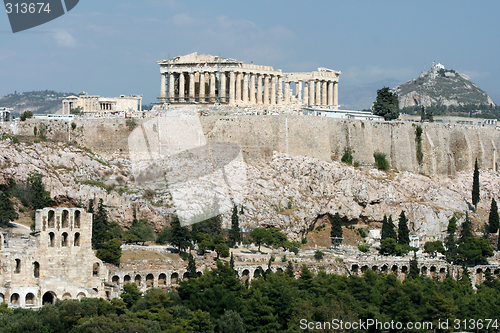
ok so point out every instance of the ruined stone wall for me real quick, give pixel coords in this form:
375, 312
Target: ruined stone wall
446, 148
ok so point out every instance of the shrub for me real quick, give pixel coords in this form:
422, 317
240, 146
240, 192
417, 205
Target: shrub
347, 157
284, 259
362, 232
26, 115
110, 252
364, 248
294, 250
304, 240
381, 161
15, 139
318, 255
73, 125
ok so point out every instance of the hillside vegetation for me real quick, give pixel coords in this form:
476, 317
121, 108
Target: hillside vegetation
45, 101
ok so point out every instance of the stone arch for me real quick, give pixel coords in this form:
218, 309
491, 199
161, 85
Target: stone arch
14, 299
364, 268
433, 271
17, 269
479, 276
137, 280
66, 296
256, 273
95, 269
49, 297
64, 239
424, 270
174, 277
116, 279
65, 218
279, 269
76, 241
375, 268
80, 295
51, 218
162, 279
77, 219
126, 279
496, 271
52, 239
245, 275
2, 298
394, 269
185, 276
384, 268
36, 269
354, 268
29, 299
150, 279
198, 274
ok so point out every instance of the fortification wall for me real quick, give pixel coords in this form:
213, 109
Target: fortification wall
446, 148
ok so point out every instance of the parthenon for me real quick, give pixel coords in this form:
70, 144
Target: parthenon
205, 79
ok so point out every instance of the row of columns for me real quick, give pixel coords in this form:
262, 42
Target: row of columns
241, 88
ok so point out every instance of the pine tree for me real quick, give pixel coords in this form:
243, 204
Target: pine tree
336, 226
475, 187
422, 114
235, 232
289, 269
493, 219
179, 235
41, 197
386, 104
403, 231
388, 229
466, 231
100, 225
7, 210
414, 270
191, 269
90, 210
450, 242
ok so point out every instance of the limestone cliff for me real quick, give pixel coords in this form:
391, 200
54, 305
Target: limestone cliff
440, 86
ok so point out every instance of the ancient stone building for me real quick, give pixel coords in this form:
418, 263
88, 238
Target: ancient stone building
97, 104
57, 263
205, 79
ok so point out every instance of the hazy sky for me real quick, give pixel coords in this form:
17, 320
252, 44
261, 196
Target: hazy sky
111, 47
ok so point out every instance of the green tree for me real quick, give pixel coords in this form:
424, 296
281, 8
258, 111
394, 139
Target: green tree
493, 219
7, 211
191, 269
130, 294
423, 116
403, 231
318, 255
220, 246
40, 197
235, 232
475, 187
26, 115
110, 251
211, 226
388, 228
100, 226
258, 235
289, 269
433, 247
474, 251
386, 104
466, 231
336, 228
450, 243
179, 236
414, 270
140, 231
430, 116
230, 322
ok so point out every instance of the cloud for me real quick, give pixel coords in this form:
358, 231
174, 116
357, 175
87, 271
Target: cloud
65, 39
377, 72
183, 20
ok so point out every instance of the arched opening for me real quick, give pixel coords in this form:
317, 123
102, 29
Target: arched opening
185, 276
256, 273
48, 297
364, 268
126, 279
52, 237
116, 279
66, 296
394, 269
77, 239
64, 239
17, 270
404, 269
280, 270
95, 269
198, 274
375, 268
14, 299
162, 279
150, 280
2, 298
30, 299
424, 270
496, 271
77, 219
174, 277
36, 269
137, 280
80, 296
384, 269
65, 218
354, 268
245, 275
51, 219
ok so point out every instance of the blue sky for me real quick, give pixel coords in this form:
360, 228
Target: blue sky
111, 47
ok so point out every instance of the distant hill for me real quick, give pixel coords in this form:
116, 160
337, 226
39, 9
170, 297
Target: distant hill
46, 101
443, 87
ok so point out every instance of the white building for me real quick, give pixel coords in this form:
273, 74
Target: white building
5, 114
97, 104
342, 114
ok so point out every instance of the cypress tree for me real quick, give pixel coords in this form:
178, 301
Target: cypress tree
388, 229
336, 227
289, 269
403, 231
475, 187
466, 231
414, 270
41, 197
191, 269
100, 225
493, 219
235, 232
450, 243
179, 235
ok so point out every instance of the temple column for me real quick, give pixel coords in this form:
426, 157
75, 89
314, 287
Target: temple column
171, 88
273, 90
306, 93
318, 92
202, 88
231, 88
298, 90
245, 88
259, 88
163, 87
280, 90
191, 88
336, 95
311, 92
182, 86
330, 93
252, 89
212, 88
222, 90
238, 88
266, 89
287, 92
